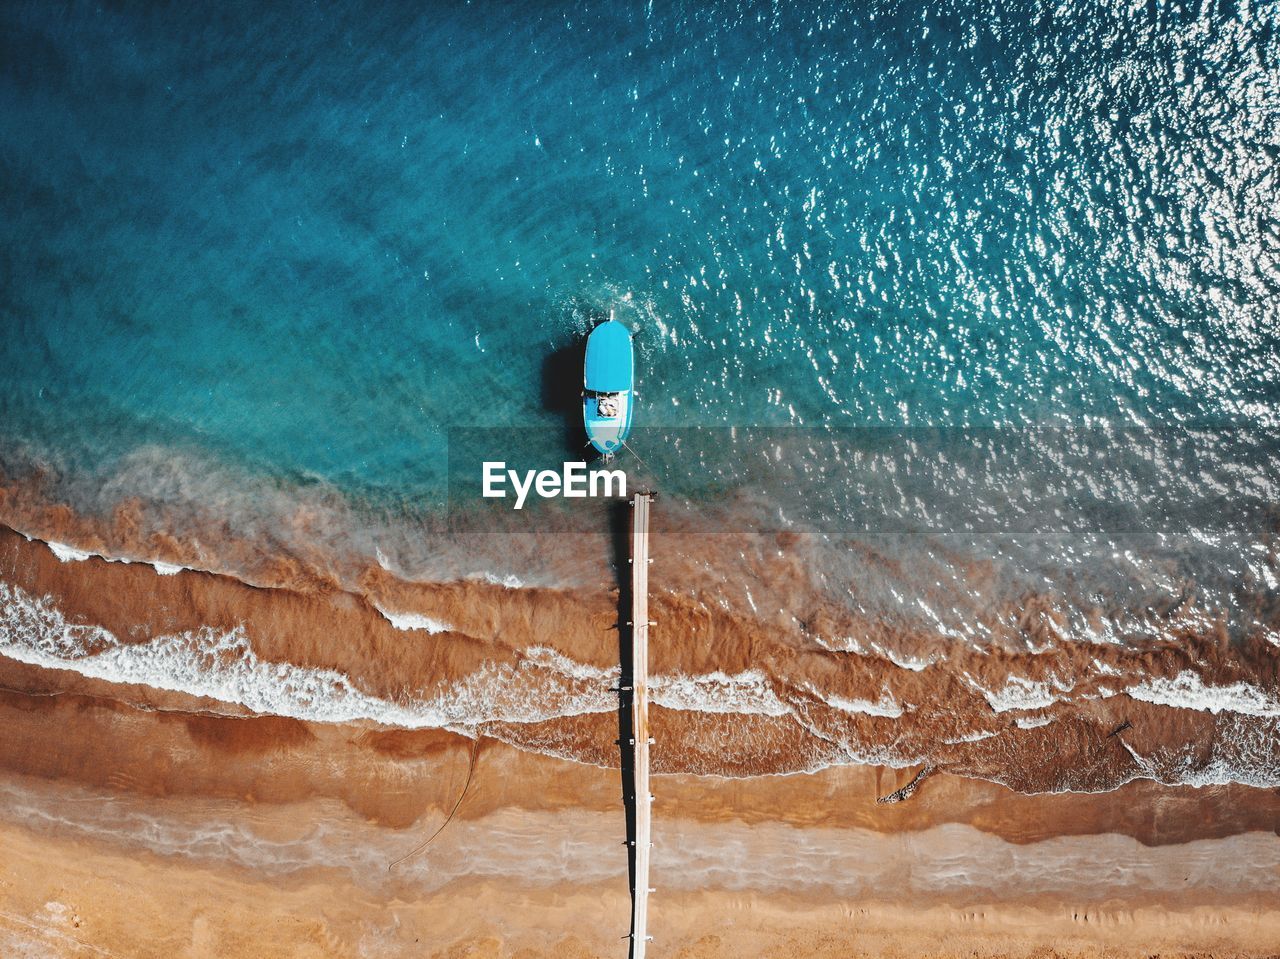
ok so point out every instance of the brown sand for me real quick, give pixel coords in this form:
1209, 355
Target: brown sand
491, 628
145, 833
68, 899
138, 822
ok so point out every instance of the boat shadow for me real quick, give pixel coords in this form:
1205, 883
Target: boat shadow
562, 395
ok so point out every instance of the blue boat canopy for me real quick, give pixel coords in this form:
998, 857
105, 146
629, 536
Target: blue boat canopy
608, 397
609, 364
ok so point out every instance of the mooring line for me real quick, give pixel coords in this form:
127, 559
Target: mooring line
471, 771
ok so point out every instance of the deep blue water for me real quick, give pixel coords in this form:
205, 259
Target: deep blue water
306, 241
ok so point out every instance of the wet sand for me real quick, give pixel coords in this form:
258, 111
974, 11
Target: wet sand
532, 667
522, 882
70, 899
157, 833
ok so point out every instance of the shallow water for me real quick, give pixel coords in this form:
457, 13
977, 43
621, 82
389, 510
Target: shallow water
994, 285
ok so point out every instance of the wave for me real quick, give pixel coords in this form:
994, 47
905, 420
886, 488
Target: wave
537, 668
410, 622
1189, 691
718, 692
223, 666
885, 706
69, 554
1020, 693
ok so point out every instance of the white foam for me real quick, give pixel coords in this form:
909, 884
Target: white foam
850, 644
545, 657
972, 737
414, 621
867, 755
1188, 691
884, 706
1249, 754
1018, 693
68, 554
223, 665
746, 692
913, 663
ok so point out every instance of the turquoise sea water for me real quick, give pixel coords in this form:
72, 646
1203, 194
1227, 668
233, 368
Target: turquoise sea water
958, 350
304, 243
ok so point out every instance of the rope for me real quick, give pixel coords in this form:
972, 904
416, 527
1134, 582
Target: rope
471, 771
637, 456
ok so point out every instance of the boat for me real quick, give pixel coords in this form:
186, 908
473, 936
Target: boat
608, 380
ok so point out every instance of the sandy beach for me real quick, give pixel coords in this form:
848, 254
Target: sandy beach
240, 850
139, 822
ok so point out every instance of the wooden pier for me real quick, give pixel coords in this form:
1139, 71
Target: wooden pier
640, 720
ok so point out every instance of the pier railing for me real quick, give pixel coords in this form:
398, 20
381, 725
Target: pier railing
640, 740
